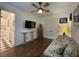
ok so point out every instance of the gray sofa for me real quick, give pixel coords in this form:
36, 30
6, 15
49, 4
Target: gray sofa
62, 46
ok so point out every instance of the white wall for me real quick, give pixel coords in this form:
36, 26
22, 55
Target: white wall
51, 23
50, 26
68, 24
75, 29
20, 17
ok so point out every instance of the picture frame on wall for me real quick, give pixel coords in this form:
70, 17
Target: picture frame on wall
76, 18
63, 20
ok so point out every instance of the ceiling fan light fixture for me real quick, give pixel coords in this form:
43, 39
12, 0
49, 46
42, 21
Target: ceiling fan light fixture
40, 11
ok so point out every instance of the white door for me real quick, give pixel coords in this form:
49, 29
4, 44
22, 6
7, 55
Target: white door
7, 29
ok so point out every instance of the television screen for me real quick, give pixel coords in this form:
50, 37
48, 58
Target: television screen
30, 24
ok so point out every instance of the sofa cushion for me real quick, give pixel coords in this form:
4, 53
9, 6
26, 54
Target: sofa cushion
55, 49
78, 51
55, 52
62, 46
71, 50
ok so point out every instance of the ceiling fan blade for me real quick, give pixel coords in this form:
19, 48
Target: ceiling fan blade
46, 4
35, 6
34, 10
47, 10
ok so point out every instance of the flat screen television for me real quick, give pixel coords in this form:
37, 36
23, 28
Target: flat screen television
30, 24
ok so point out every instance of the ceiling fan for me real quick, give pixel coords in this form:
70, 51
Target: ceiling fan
41, 8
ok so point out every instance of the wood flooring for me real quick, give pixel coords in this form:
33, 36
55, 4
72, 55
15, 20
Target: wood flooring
33, 48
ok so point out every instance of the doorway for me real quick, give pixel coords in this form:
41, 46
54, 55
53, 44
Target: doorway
7, 29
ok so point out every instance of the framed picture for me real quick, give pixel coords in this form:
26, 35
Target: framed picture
76, 18
63, 20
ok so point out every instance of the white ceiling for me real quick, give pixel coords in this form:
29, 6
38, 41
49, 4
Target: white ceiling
26, 6
55, 7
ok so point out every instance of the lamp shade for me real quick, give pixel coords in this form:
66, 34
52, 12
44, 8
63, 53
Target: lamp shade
64, 29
